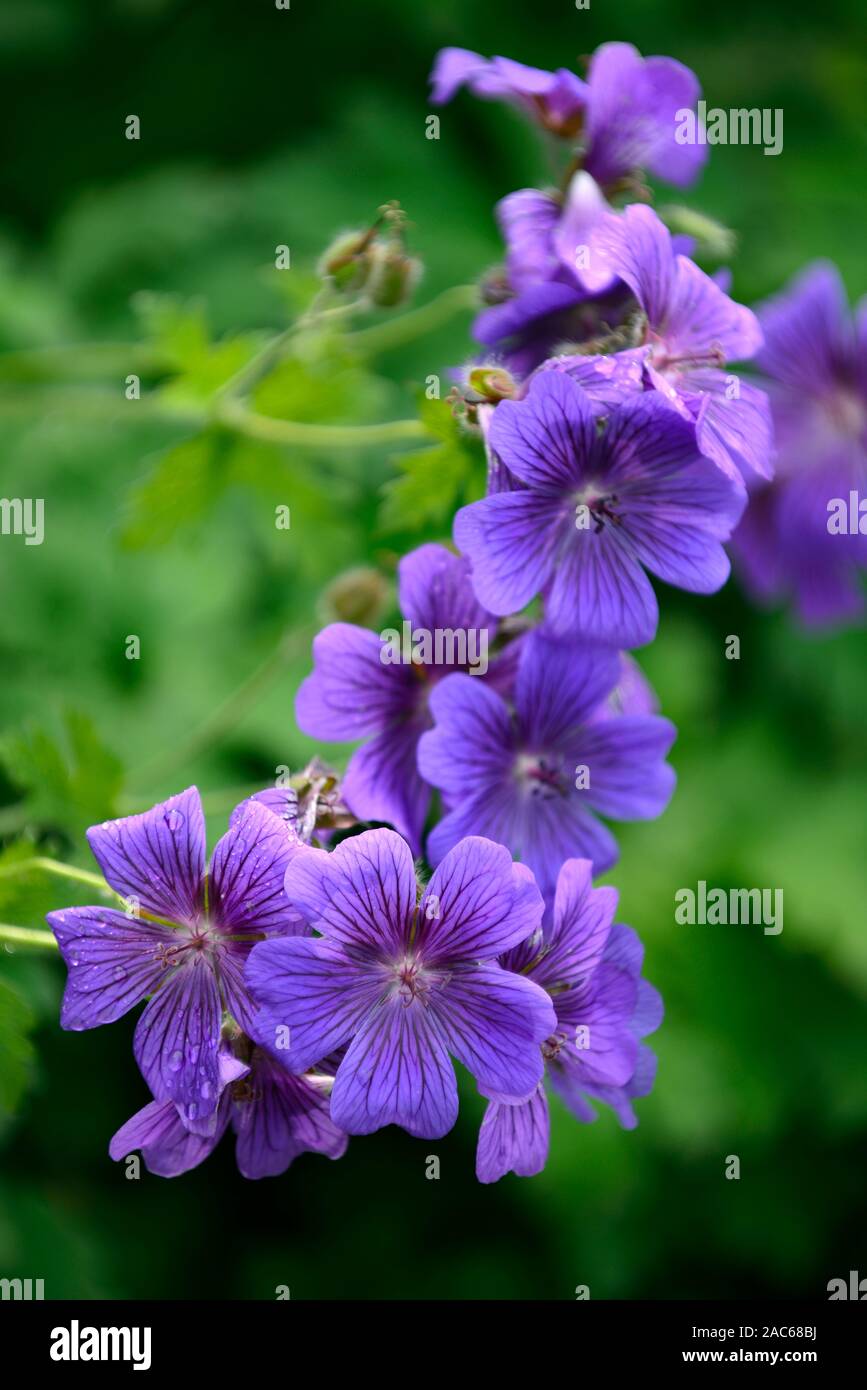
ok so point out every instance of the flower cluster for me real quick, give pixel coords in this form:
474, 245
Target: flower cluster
314, 980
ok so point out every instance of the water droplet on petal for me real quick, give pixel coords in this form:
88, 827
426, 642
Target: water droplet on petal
174, 819
176, 1061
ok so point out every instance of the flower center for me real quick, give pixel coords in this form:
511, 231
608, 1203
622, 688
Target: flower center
594, 508
540, 775
672, 366
187, 940
847, 413
412, 982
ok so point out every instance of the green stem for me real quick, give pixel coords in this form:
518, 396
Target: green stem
28, 936
54, 866
382, 337
235, 416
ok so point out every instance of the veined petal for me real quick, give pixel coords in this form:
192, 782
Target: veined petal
352, 691
167, 1148
470, 742
177, 1040
114, 962
511, 541
285, 1117
628, 778
474, 908
514, 1138
246, 875
546, 439
156, 859
494, 1022
396, 1071
362, 894
311, 998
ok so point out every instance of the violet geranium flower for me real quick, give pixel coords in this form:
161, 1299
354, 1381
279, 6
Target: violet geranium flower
800, 535
591, 968
596, 511
554, 99
404, 979
693, 330
275, 1117
624, 114
534, 776
357, 689
182, 941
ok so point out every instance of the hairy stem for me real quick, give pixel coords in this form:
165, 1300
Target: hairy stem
54, 866
28, 936
382, 337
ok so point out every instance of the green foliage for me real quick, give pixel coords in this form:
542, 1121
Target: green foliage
16, 1048
69, 779
158, 259
433, 482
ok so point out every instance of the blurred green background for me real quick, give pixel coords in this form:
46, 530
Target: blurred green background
260, 128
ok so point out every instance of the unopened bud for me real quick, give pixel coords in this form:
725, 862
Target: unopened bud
393, 275
346, 263
492, 383
712, 240
359, 595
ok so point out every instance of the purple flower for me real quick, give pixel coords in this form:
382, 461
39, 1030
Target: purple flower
625, 113
554, 99
182, 940
534, 776
693, 329
789, 541
357, 689
632, 106
592, 971
274, 1115
405, 982
595, 511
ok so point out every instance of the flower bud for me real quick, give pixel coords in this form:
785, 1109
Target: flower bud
712, 240
346, 263
393, 275
492, 383
359, 595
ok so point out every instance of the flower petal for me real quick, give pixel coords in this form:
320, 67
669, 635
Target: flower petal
246, 875
177, 1040
167, 1148
352, 691
114, 962
495, 1022
396, 1071
546, 438
514, 1138
362, 894
474, 907
382, 781
470, 742
510, 539
158, 858
628, 778
312, 998
287, 1116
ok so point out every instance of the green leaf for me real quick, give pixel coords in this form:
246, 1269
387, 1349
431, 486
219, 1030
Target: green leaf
69, 781
433, 481
182, 487
16, 1049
